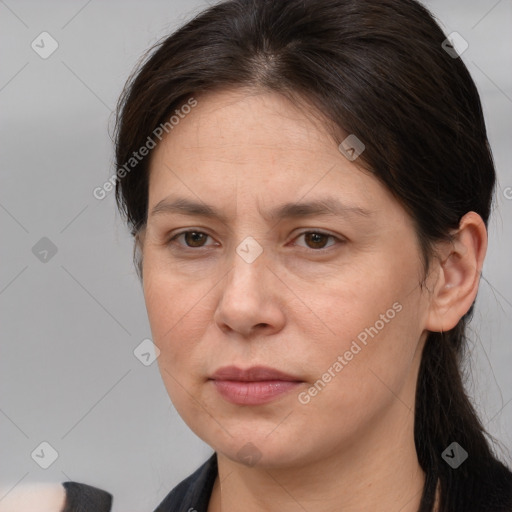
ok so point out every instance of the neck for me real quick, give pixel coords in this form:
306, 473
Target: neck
378, 470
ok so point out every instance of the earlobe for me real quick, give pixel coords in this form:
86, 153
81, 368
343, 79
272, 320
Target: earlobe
460, 264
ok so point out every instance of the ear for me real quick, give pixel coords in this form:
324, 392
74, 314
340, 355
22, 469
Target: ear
459, 268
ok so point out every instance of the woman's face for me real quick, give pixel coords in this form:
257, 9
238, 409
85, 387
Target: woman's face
298, 261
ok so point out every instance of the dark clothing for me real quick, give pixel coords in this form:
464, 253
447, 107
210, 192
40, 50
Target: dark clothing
192, 494
84, 498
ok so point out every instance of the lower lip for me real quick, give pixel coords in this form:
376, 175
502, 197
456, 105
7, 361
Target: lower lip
253, 393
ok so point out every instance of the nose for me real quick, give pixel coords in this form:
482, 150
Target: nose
250, 302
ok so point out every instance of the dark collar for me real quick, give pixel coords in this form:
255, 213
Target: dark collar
193, 493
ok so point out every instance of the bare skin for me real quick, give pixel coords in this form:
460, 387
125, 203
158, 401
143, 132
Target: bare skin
34, 498
297, 307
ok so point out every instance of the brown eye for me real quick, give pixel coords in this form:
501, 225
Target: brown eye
193, 239
316, 239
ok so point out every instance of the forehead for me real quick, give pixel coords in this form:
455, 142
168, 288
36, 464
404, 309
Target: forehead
246, 117
256, 148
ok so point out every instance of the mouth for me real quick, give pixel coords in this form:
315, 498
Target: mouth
253, 386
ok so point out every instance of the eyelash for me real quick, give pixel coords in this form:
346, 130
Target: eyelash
186, 248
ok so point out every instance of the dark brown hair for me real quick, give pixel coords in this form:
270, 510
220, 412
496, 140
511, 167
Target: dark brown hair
376, 69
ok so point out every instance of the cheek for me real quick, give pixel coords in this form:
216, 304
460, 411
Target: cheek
374, 323
177, 315
174, 317
371, 363
357, 303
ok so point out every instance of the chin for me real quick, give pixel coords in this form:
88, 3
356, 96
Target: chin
259, 449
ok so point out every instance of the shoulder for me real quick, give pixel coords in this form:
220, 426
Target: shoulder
190, 495
79, 496
193, 493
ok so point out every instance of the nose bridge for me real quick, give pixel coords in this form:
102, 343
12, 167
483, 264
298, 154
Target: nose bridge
244, 302
248, 266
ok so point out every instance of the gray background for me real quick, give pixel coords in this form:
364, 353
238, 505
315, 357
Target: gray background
70, 325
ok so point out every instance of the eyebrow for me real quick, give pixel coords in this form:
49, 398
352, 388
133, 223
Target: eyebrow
326, 206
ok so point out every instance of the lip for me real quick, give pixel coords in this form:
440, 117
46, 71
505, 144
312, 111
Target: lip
252, 386
252, 374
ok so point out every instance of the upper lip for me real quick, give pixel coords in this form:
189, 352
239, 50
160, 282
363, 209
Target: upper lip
252, 374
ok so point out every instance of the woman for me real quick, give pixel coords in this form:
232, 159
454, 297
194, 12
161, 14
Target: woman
308, 184
310, 232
